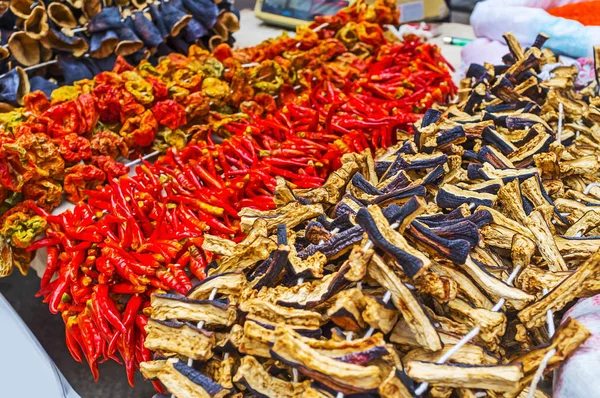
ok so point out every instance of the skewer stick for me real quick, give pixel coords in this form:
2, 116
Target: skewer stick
539, 374
560, 122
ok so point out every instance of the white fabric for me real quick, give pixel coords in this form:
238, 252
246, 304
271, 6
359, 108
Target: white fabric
26, 370
578, 376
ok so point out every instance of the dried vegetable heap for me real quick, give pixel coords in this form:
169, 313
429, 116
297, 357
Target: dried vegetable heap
144, 233
361, 285
129, 111
58, 41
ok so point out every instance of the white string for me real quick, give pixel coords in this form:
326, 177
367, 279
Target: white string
539, 374
560, 122
587, 189
471, 335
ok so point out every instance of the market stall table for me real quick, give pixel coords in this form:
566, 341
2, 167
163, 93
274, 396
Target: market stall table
49, 329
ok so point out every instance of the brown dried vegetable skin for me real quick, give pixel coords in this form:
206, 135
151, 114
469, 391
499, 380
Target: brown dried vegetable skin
411, 252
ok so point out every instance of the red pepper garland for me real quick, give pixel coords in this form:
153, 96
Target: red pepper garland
141, 234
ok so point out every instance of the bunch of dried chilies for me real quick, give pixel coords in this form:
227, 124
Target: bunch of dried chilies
408, 254
73, 40
143, 234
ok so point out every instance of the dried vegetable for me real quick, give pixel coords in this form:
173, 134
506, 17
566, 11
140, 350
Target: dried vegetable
127, 112
143, 234
64, 42
361, 286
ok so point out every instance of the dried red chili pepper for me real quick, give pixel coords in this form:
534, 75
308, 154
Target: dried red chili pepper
169, 113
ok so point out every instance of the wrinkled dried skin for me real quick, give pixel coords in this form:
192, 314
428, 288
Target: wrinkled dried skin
338, 375
228, 284
515, 298
312, 265
291, 215
283, 193
377, 316
545, 241
245, 256
533, 280
264, 311
502, 220
180, 385
345, 310
521, 251
331, 191
441, 288
492, 324
466, 288
406, 303
585, 224
259, 381
180, 339
534, 315
469, 354
393, 387
397, 240
213, 313
510, 196
310, 294
565, 341
493, 377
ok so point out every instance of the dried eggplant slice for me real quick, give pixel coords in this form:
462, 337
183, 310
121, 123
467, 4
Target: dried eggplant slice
214, 313
265, 311
181, 379
456, 250
310, 294
345, 310
534, 315
403, 299
378, 316
484, 377
496, 288
291, 215
331, 191
397, 385
344, 377
179, 338
469, 354
245, 254
377, 227
451, 197
492, 324
262, 384
466, 288
309, 267
337, 246
230, 284
545, 241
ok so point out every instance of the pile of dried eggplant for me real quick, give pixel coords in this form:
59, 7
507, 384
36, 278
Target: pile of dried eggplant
484, 187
